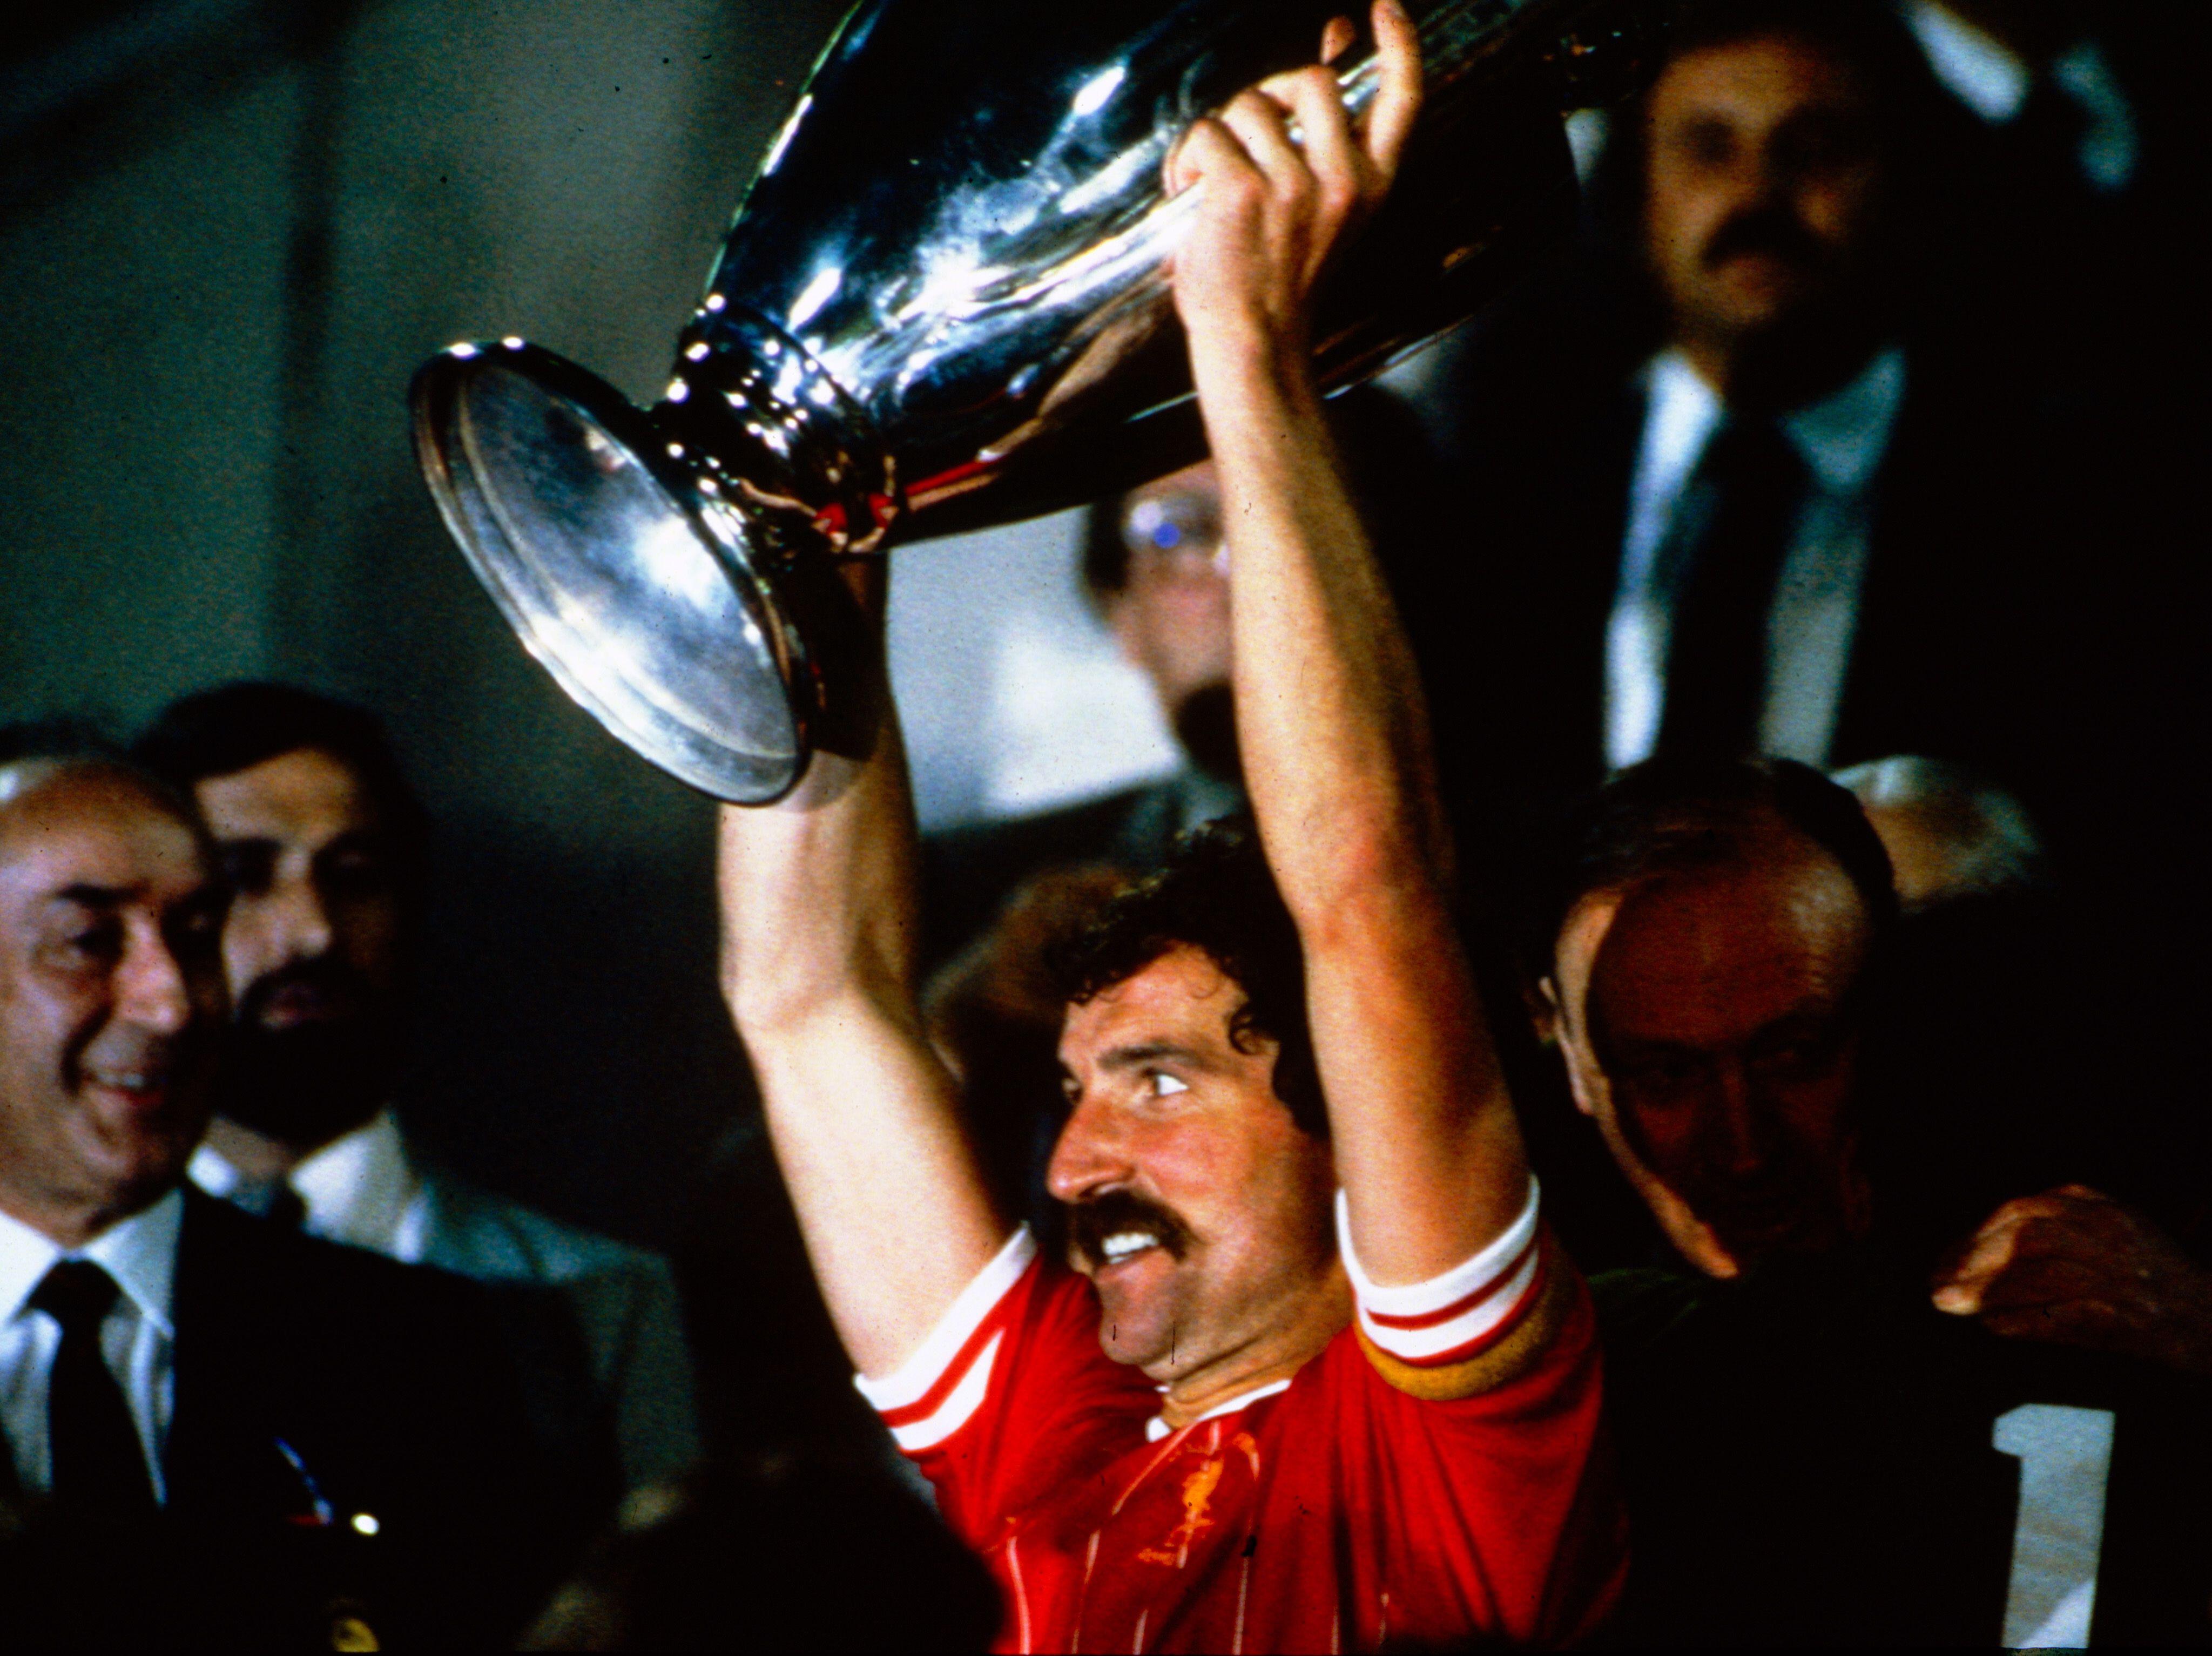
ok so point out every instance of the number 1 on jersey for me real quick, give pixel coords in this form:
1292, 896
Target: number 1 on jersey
2065, 1458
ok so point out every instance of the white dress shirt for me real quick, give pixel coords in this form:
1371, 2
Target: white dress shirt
138, 1337
362, 1190
1842, 440
1984, 76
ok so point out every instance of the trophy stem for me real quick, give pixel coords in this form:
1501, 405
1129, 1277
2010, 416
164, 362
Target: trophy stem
770, 433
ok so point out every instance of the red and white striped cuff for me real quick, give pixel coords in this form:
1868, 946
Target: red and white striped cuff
934, 1392
1454, 1317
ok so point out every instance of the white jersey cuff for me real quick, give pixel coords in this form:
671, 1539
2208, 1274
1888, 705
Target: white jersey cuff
933, 1393
1451, 1317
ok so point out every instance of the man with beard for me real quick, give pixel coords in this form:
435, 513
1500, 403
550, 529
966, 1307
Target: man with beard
325, 849
1814, 1454
225, 1433
1232, 1423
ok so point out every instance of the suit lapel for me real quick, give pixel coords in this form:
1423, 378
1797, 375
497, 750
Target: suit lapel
223, 1453
1934, 621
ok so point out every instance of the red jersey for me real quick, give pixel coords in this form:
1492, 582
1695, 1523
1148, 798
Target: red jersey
1430, 1478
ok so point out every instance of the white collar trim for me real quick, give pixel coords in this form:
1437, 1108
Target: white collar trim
362, 1189
1157, 1427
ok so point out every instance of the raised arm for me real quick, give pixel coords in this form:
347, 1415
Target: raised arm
818, 924
1329, 712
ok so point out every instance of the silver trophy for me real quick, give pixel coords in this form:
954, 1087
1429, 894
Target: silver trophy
943, 305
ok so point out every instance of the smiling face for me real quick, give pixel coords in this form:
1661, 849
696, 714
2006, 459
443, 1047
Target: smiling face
1198, 1207
111, 995
1764, 190
1711, 1025
313, 945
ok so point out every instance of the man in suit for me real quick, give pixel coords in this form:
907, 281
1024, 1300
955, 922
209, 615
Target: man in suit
1734, 494
1806, 1418
224, 1432
1742, 481
324, 848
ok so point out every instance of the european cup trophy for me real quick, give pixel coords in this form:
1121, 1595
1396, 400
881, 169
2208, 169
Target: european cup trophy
944, 303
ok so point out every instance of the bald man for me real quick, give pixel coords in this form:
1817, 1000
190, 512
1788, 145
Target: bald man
1815, 1452
216, 1423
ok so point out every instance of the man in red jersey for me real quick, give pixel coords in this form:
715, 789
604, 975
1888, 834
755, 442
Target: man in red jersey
1317, 1378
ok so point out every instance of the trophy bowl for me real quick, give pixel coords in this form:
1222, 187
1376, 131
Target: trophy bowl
944, 303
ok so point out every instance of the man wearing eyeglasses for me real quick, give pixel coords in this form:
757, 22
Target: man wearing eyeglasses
1154, 569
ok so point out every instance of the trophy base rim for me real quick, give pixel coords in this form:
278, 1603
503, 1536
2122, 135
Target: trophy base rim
746, 661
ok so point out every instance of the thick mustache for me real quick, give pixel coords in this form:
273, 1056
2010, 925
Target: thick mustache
1092, 1221
329, 976
1763, 231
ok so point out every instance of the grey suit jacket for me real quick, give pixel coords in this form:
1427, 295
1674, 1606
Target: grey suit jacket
622, 1310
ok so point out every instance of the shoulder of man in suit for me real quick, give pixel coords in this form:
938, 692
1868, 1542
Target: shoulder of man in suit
493, 1239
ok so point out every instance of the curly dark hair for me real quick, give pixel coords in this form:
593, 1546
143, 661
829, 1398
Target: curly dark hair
1216, 894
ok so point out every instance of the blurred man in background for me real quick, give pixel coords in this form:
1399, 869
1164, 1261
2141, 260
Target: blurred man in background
1767, 466
1153, 568
1735, 494
326, 851
225, 1433
1950, 835
1808, 1443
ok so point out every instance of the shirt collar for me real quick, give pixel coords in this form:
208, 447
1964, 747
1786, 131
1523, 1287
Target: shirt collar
1157, 1427
1981, 72
2110, 146
1683, 412
1843, 436
212, 1174
25, 1256
140, 1253
1990, 79
358, 1188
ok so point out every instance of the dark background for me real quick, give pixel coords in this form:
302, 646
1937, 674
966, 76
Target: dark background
228, 232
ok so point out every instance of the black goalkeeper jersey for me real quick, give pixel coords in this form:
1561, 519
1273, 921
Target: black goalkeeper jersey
1816, 1456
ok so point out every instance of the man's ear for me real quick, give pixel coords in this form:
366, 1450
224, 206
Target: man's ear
1540, 998
1582, 1084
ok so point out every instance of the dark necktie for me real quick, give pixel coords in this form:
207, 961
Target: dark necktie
98, 1462
1733, 525
2047, 135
